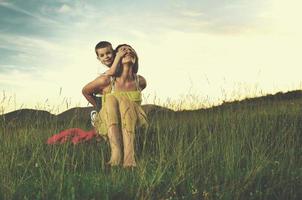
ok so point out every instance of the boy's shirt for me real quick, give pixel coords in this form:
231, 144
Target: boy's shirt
100, 70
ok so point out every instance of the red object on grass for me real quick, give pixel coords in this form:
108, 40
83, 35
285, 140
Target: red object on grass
76, 135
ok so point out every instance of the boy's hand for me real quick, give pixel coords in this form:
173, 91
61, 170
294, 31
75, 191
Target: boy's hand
121, 52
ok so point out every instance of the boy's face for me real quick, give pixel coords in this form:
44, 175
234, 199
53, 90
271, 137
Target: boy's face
105, 55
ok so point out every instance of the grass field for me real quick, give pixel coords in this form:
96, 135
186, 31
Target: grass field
238, 151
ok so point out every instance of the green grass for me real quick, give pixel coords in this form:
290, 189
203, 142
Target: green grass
244, 151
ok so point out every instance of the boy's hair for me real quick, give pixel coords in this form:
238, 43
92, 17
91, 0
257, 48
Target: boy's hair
102, 44
135, 65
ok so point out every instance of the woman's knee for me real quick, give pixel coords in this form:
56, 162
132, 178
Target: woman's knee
128, 115
111, 111
124, 105
111, 102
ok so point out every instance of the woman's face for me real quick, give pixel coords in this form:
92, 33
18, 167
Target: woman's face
130, 56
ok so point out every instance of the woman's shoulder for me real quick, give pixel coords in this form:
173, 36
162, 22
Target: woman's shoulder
142, 82
140, 77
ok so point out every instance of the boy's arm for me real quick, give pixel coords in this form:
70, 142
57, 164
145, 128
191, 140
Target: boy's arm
95, 86
111, 71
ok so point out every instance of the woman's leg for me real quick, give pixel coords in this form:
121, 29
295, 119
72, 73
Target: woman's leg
114, 133
128, 120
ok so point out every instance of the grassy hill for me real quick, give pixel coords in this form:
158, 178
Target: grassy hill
249, 149
23, 117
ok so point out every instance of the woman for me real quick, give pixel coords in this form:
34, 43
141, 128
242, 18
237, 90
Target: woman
121, 112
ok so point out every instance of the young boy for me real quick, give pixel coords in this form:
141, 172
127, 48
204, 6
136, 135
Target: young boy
108, 57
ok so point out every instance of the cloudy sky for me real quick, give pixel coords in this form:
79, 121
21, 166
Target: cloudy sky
190, 51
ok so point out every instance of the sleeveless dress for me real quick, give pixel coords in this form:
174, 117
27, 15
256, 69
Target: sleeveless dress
130, 116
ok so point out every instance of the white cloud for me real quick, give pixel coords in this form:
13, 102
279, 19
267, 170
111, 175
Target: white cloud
191, 13
215, 66
64, 9
23, 11
209, 64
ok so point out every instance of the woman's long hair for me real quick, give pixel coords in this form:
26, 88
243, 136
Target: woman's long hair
119, 68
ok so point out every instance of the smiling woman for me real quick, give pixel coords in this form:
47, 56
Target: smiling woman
121, 113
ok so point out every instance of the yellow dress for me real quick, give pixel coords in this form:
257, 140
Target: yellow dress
130, 116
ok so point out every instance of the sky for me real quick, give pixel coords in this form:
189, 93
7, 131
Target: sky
192, 53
